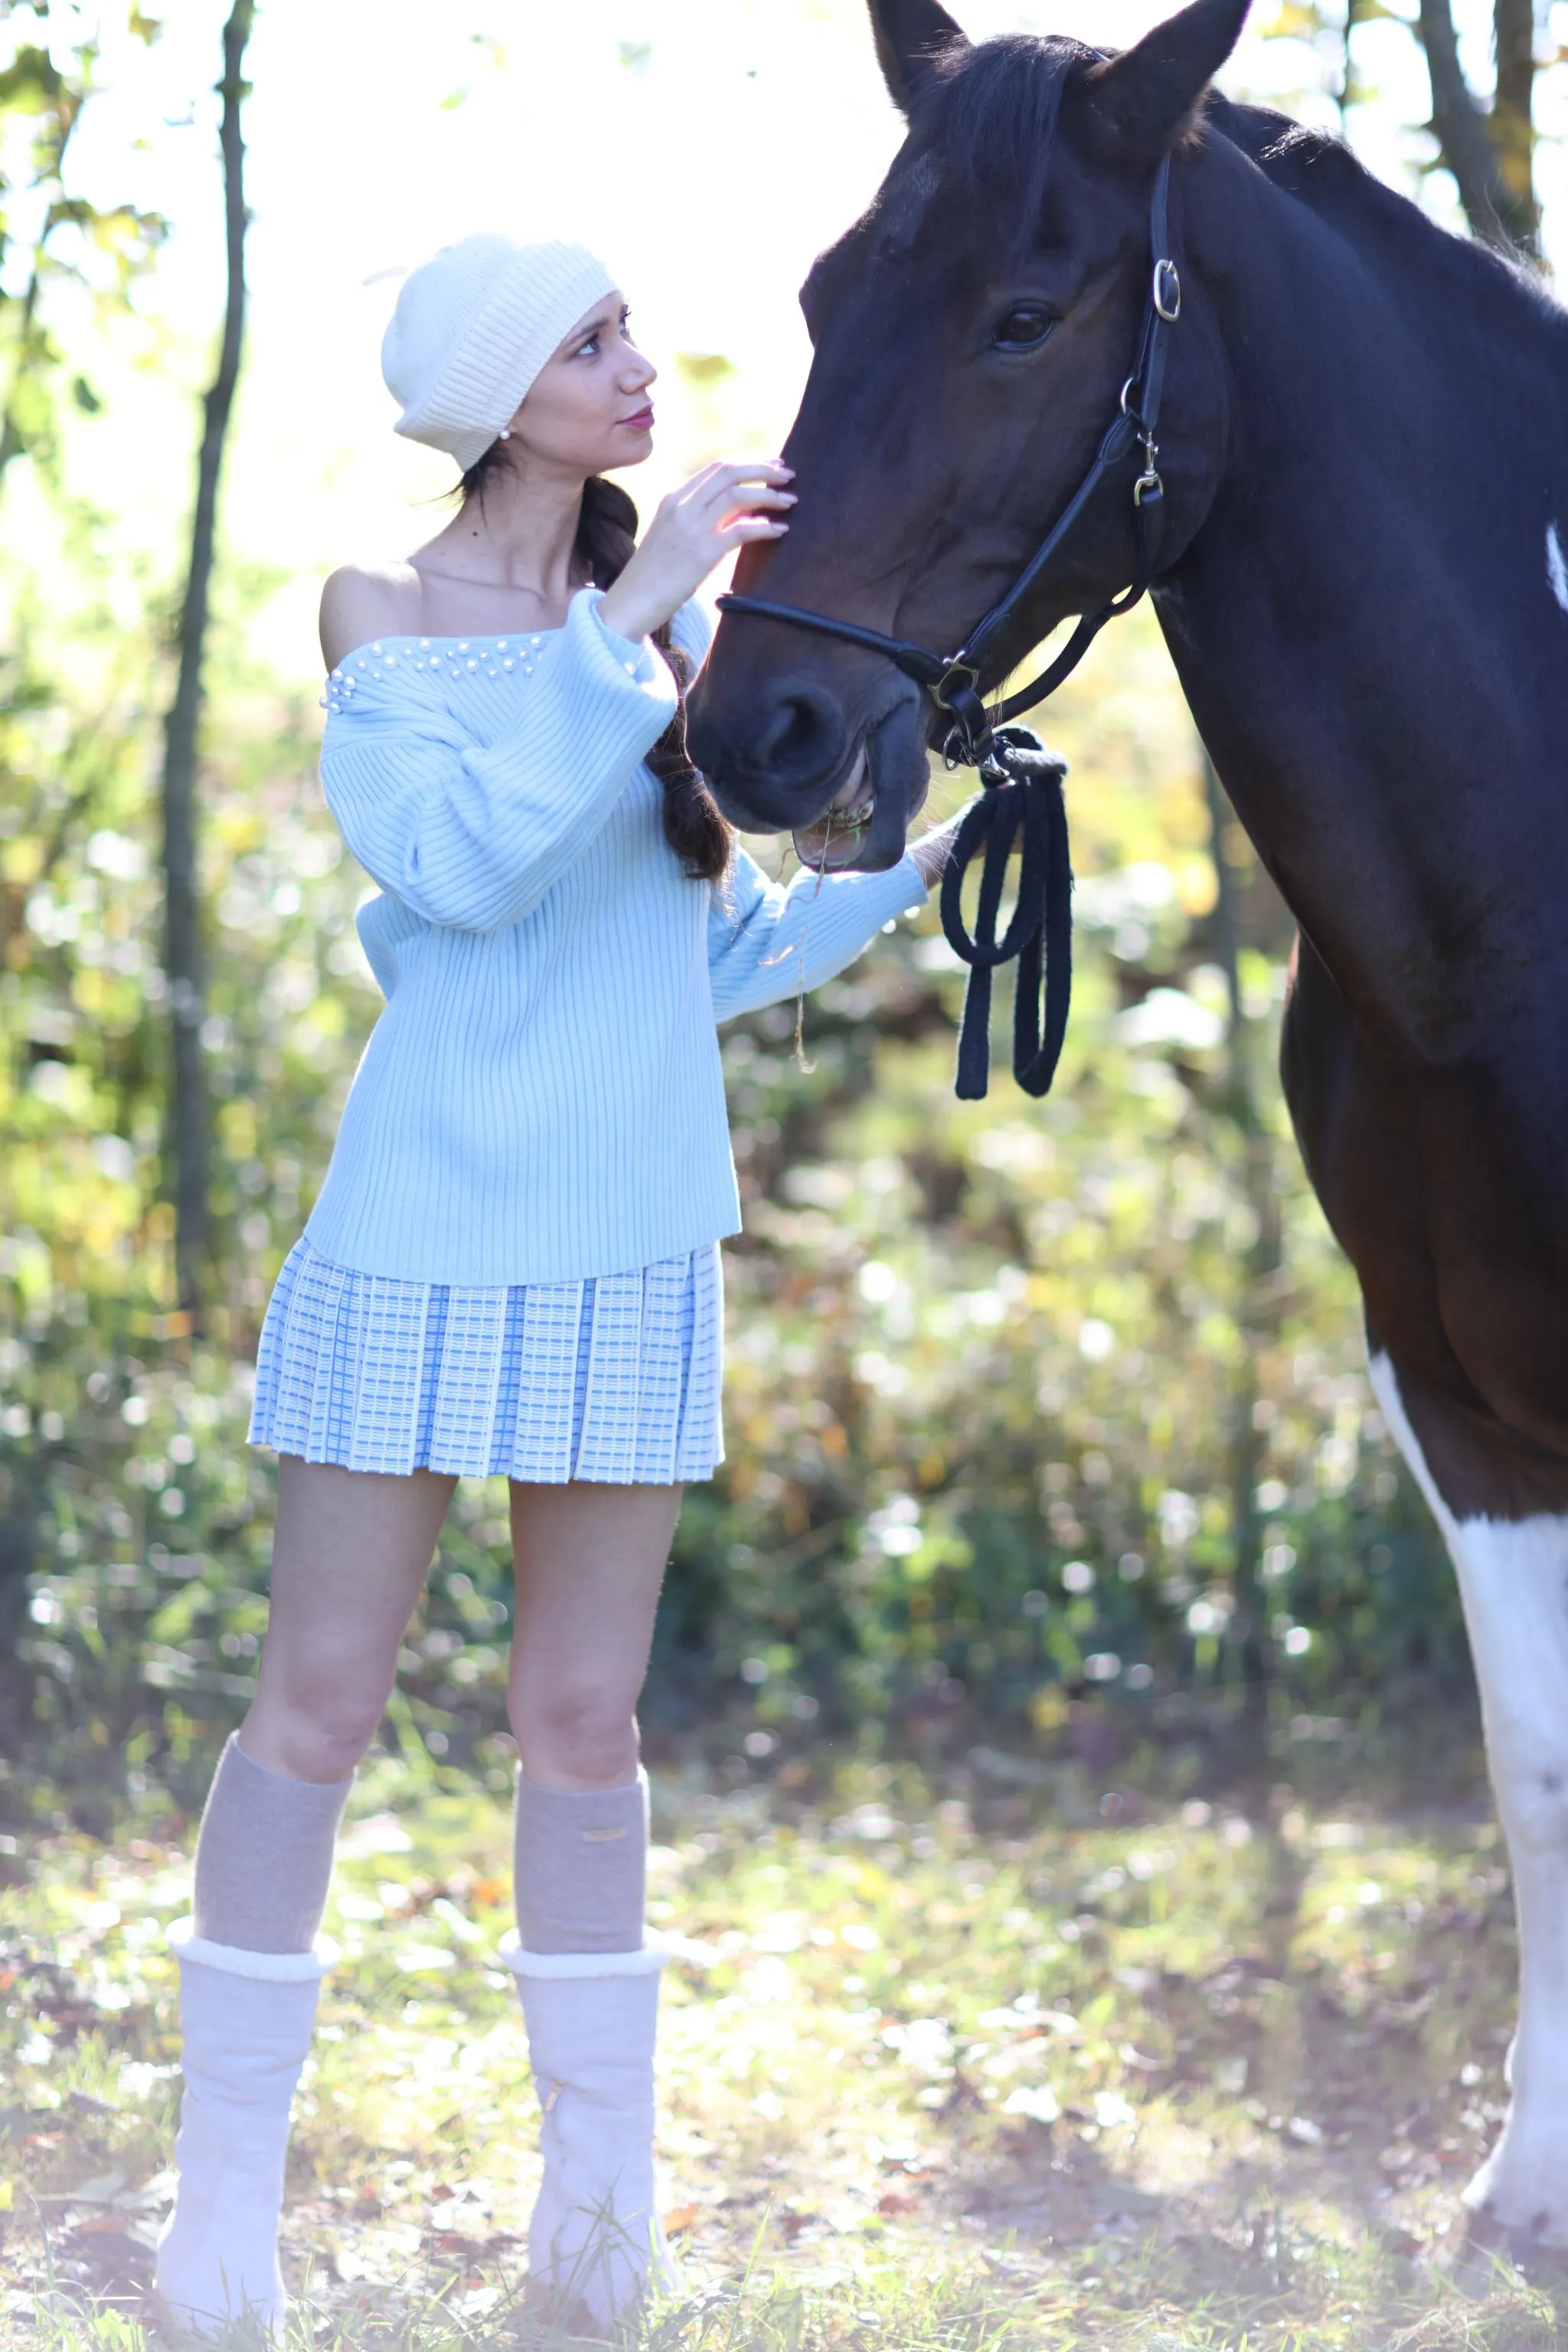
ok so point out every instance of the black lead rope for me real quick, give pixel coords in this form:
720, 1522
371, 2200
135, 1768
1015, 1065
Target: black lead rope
1022, 780
1023, 796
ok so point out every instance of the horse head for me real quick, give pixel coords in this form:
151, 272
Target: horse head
971, 335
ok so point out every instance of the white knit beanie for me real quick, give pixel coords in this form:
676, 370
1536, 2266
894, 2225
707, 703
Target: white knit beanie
472, 328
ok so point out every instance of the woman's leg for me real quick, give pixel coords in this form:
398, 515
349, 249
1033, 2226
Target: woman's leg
350, 1558
350, 1553
589, 1562
590, 1559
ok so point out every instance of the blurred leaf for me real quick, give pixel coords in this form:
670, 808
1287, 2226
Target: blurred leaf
705, 368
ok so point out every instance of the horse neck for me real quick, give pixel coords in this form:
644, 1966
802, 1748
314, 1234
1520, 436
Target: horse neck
1365, 624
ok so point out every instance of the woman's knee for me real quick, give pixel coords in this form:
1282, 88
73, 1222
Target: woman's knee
584, 1737
312, 1731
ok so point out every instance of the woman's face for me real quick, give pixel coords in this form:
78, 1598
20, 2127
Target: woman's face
587, 411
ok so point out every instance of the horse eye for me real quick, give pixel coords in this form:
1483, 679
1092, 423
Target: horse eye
1022, 329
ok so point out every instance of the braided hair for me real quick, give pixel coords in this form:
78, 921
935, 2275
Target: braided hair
606, 537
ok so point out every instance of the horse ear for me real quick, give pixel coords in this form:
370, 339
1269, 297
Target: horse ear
1146, 94
909, 33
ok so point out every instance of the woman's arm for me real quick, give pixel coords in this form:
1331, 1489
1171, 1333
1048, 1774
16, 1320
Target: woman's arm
765, 942
473, 838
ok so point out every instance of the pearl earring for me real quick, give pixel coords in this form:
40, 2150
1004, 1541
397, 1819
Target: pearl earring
505, 433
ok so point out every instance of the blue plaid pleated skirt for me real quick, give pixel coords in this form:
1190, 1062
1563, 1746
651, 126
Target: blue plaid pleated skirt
615, 1379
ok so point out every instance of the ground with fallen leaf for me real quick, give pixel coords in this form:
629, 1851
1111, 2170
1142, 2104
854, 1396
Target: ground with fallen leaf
1007, 2060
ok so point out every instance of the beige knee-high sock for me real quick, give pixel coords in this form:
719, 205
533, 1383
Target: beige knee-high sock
264, 1858
580, 1866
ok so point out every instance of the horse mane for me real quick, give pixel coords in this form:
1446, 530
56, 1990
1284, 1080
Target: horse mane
993, 111
1324, 174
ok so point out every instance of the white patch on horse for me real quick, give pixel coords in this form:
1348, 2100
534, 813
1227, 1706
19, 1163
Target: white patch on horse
1513, 1581
1556, 568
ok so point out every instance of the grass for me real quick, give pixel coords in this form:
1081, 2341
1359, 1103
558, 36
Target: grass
1000, 2063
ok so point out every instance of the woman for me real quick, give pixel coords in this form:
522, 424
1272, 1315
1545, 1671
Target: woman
513, 1264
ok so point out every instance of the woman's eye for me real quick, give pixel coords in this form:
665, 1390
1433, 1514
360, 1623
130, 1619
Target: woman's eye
1024, 327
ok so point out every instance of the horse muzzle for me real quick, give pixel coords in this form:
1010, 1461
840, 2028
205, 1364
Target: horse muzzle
836, 838
848, 813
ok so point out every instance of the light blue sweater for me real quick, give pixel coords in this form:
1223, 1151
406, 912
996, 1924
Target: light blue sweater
541, 1098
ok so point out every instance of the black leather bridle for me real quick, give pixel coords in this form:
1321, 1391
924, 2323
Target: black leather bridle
1024, 781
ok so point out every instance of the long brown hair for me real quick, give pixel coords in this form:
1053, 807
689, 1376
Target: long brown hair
606, 537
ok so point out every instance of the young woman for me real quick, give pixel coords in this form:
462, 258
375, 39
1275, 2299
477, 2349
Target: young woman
514, 1265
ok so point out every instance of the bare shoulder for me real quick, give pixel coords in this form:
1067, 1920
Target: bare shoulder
361, 601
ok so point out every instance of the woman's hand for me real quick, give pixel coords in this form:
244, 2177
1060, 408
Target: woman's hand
691, 530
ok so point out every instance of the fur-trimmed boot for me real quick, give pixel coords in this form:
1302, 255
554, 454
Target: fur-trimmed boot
592, 2017
246, 2020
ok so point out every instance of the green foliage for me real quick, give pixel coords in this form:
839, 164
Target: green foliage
44, 87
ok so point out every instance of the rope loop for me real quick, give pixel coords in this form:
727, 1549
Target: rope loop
1022, 799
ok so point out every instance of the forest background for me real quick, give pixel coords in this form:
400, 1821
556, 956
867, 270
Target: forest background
1048, 1430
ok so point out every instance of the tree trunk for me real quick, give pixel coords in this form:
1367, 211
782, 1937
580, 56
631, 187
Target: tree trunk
1461, 127
10, 424
1513, 127
188, 1138
1256, 1310
1347, 95
1490, 155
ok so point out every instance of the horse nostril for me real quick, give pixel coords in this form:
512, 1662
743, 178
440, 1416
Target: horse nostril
803, 735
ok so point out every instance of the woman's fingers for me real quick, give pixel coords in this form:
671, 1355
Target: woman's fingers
779, 501
716, 482
687, 491
736, 534
724, 507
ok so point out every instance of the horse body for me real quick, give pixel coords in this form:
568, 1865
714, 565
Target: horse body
1365, 595
1367, 632
1390, 717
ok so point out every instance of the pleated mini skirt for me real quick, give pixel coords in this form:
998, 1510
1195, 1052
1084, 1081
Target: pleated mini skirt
615, 1379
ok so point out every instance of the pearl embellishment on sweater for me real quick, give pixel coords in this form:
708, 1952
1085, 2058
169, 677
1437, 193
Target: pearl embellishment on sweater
377, 663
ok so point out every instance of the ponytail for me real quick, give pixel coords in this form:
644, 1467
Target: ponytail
606, 536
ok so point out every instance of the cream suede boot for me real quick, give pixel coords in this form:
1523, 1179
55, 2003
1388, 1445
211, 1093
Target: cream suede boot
592, 2019
246, 2020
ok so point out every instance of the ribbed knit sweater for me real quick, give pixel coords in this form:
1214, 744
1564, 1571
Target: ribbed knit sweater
541, 1098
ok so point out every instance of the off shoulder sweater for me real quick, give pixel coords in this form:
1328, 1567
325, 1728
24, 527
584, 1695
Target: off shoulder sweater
540, 1100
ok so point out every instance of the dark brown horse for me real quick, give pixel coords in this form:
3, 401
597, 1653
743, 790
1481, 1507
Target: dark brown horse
1364, 587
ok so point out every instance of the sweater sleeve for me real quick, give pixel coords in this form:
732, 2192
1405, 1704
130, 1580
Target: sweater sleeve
470, 838
766, 942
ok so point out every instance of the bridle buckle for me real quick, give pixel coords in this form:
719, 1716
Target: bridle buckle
960, 676
1165, 291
